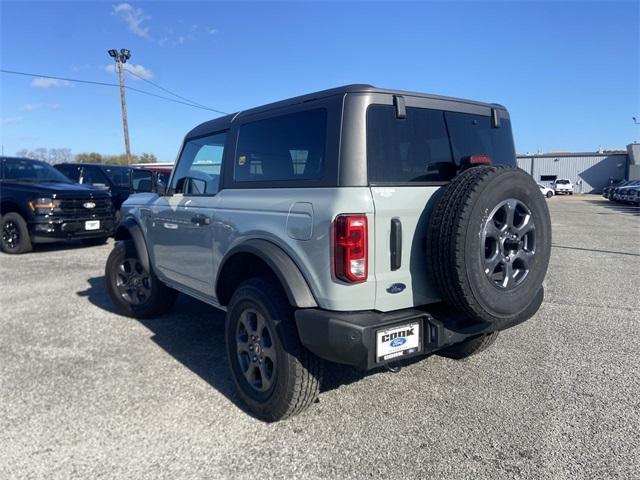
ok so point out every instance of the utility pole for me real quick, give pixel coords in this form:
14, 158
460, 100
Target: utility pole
121, 58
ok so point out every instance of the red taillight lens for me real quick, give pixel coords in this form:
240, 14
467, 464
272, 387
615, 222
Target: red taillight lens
350, 238
479, 160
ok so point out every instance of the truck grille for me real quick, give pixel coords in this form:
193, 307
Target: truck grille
75, 207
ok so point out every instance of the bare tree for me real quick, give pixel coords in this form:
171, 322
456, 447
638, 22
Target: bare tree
49, 155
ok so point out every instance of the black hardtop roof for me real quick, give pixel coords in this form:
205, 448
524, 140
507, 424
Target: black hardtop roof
223, 122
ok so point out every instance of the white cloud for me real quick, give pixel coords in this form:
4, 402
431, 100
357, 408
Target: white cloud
134, 18
212, 31
42, 82
179, 41
162, 41
138, 70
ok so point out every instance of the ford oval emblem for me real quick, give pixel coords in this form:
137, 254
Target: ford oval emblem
89, 205
396, 342
396, 288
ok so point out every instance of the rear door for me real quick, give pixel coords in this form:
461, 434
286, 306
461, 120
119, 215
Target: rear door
408, 161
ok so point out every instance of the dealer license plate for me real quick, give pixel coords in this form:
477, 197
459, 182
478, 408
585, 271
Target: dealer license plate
92, 225
397, 341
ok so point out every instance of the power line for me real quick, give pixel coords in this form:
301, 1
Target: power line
106, 84
164, 89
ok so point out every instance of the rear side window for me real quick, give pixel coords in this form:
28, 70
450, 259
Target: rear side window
413, 149
473, 135
287, 147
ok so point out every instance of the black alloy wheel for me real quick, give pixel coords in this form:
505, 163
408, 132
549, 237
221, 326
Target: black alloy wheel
509, 241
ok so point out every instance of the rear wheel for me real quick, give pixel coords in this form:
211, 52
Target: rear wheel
276, 376
549, 194
489, 243
136, 292
15, 234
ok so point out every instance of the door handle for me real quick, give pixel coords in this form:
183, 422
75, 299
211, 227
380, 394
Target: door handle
200, 220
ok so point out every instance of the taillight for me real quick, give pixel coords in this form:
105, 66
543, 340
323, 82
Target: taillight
479, 160
350, 239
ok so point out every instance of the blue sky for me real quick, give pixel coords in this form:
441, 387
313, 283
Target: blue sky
568, 72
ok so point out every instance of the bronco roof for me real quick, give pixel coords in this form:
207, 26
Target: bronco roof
223, 122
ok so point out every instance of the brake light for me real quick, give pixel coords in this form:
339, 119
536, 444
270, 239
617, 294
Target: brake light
350, 238
480, 160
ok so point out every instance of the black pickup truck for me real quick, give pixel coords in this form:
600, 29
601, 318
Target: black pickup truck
39, 204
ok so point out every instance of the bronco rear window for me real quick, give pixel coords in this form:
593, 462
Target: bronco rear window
429, 145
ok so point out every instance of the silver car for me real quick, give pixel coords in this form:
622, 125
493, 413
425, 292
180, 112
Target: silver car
358, 225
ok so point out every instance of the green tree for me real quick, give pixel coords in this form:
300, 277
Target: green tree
91, 157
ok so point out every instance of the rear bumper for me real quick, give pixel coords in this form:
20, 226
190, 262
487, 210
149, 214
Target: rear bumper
350, 337
55, 229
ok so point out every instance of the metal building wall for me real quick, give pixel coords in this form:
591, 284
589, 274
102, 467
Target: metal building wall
594, 170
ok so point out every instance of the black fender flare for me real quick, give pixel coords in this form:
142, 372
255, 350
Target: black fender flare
129, 229
292, 281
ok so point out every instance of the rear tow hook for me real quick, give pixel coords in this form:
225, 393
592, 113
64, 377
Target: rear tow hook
393, 367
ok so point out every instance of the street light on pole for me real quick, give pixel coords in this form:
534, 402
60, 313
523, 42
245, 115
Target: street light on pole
121, 58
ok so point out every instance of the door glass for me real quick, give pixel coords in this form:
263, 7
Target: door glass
198, 171
93, 176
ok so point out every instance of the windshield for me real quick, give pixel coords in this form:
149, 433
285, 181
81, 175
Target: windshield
26, 170
562, 182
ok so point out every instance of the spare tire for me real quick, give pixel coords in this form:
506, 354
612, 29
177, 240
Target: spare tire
489, 242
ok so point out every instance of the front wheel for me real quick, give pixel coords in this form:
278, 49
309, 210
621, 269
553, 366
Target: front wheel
276, 376
15, 234
136, 292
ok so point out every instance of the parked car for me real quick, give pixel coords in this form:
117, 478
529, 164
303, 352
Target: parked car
546, 191
116, 179
562, 186
628, 194
112, 178
635, 199
606, 191
39, 204
357, 225
617, 192
150, 177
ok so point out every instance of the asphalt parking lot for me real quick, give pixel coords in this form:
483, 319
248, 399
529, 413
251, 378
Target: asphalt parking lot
87, 393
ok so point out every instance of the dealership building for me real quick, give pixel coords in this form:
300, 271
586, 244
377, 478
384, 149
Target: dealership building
590, 172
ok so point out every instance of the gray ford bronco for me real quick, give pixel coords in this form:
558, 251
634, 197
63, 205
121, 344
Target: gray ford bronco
357, 225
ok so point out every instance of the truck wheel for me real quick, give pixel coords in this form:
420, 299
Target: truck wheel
15, 234
469, 347
275, 375
489, 243
136, 292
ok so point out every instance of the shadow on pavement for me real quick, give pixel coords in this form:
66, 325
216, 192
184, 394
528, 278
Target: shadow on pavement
193, 333
618, 207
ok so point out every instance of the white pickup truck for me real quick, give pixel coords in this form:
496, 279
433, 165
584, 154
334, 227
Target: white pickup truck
563, 186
